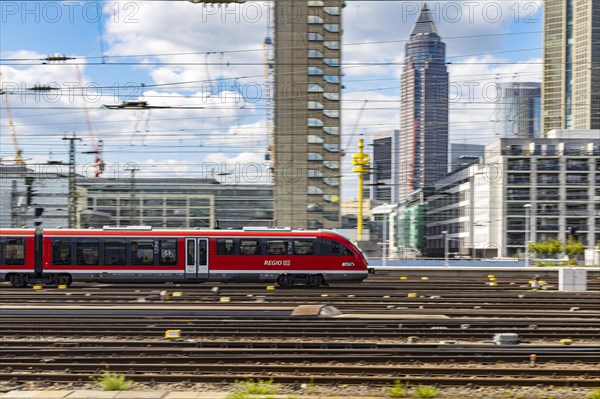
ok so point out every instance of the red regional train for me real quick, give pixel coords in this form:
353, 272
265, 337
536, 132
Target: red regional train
139, 254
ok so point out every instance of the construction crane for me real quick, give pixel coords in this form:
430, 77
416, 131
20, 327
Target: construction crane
97, 145
11, 126
349, 142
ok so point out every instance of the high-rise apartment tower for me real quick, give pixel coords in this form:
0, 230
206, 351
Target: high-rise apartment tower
307, 153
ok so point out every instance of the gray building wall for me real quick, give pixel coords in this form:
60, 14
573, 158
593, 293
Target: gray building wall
185, 203
25, 189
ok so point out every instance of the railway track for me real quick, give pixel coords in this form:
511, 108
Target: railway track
287, 363
448, 298
69, 335
383, 330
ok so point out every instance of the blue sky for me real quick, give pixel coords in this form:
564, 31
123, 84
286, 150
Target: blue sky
484, 41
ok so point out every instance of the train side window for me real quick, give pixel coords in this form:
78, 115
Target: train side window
203, 252
340, 249
250, 247
61, 251
87, 252
115, 251
14, 254
225, 246
278, 247
168, 252
304, 247
191, 252
142, 252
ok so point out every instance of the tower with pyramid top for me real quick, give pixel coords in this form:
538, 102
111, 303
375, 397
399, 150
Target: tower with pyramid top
423, 138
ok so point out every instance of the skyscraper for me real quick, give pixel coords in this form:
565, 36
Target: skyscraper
423, 146
307, 154
519, 109
571, 90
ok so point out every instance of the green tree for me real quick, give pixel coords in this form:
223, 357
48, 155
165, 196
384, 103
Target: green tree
548, 247
575, 248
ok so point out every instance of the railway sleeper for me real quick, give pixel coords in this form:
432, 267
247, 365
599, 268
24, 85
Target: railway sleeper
23, 280
302, 280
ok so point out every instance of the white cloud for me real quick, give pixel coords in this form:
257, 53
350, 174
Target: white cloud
187, 36
230, 39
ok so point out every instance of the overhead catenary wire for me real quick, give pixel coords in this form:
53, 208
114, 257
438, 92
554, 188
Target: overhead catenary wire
259, 50
159, 136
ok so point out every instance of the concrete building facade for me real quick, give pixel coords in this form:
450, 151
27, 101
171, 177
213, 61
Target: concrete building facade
483, 207
34, 195
461, 208
38, 196
559, 178
307, 93
174, 203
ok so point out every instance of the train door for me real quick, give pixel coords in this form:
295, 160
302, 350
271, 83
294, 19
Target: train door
196, 264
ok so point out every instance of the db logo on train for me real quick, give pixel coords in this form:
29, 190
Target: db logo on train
278, 263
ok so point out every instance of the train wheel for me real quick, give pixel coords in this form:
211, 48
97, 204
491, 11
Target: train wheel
18, 281
284, 281
64, 279
316, 281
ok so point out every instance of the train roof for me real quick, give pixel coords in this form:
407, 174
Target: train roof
13, 231
150, 231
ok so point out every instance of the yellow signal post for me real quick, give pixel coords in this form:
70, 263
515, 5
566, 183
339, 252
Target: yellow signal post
361, 160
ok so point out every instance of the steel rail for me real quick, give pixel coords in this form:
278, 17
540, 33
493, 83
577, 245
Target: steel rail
319, 379
394, 370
